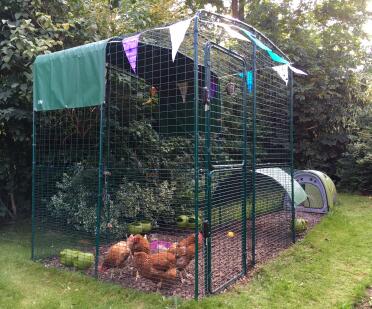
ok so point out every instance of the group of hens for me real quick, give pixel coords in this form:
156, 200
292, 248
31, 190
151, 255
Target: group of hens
159, 267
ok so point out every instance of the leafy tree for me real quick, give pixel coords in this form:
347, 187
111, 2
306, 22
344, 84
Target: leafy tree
29, 28
355, 167
34, 27
329, 49
111, 18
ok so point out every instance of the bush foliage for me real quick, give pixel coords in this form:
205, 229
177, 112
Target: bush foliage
355, 167
75, 202
324, 38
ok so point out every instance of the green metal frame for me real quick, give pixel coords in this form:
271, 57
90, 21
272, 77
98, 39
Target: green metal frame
245, 166
290, 99
210, 170
207, 211
106, 154
100, 185
254, 137
196, 153
33, 218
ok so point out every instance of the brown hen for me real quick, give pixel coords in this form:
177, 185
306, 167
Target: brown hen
157, 267
140, 244
116, 255
184, 251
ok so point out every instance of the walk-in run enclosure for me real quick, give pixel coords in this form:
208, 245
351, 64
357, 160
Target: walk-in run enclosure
181, 134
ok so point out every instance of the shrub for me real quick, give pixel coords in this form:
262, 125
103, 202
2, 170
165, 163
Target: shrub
75, 202
139, 201
355, 167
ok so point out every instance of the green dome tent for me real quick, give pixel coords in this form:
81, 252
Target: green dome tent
320, 190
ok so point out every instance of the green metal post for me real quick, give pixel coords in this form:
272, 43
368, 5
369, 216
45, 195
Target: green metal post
253, 215
219, 148
210, 169
207, 151
244, 205
100, 185
196, 154
290, 85
107, 155
33, 184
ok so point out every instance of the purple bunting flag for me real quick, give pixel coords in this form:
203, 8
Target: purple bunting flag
213, 90
130, 47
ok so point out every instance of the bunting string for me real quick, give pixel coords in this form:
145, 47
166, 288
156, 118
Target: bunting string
178, 31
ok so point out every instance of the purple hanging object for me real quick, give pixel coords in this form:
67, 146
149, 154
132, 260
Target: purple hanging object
130, 47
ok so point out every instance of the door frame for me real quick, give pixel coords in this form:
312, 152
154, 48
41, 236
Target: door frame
210, 169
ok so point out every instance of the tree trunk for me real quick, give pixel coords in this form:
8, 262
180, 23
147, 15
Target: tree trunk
13, 206
241, 9
235, 8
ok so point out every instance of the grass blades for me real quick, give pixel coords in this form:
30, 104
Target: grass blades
330, 268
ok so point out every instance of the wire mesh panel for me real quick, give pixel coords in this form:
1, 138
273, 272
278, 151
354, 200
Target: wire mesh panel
65, 183
167, 185
148, 164
268, 138
225, 152
273, 220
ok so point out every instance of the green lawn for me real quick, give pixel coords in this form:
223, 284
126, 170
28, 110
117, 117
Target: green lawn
331, 268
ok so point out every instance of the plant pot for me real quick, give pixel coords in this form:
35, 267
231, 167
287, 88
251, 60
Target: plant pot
182, 221
135, 228
146, 226
191, 222
300, 225
84, 260
68, 257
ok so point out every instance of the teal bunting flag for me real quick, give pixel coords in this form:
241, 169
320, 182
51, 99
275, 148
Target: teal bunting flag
275, 57
249, 80
256, 41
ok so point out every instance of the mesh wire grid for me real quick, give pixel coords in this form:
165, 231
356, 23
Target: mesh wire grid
167, 160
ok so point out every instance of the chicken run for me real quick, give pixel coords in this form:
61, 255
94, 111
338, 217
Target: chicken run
163, 160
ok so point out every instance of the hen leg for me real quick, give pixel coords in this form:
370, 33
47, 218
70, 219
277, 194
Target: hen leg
182, 274
188, 276
158, 286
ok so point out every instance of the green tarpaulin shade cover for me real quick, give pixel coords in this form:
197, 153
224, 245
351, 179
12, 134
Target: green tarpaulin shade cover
284, 179
70, 78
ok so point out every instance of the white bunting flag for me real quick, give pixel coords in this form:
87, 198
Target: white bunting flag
297, 71
282, 70
234, 34
183, 90
177, 32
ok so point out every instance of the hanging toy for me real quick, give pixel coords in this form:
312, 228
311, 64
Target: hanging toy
153, 91
153, 99
230, 88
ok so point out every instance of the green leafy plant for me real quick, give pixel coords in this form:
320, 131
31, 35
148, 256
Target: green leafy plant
75, 202
355, 167
139, 201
